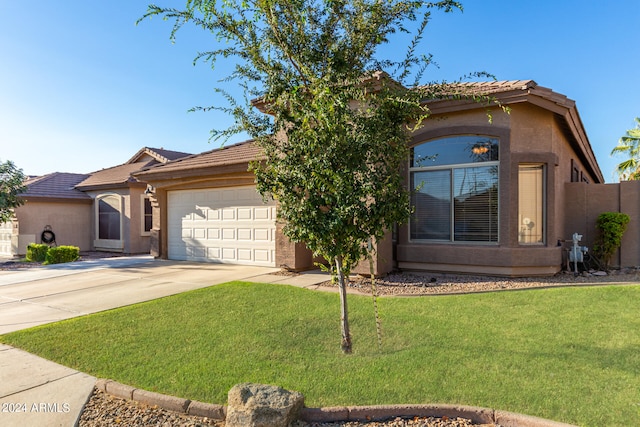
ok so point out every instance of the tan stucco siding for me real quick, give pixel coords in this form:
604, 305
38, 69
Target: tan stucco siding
139, 241
71, 222
585, 202
532, 130
492, 117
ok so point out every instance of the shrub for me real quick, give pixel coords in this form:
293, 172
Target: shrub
60, 254
611, 227
37, 252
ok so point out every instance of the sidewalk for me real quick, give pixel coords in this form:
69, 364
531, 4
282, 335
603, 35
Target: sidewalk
37, 392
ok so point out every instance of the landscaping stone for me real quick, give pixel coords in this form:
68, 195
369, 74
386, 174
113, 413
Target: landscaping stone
259, 405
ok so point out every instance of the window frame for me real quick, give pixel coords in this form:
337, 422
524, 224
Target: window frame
109, 244
543, 201
143, 215
452, 184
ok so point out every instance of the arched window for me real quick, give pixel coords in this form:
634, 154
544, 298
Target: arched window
455, 189
109, 211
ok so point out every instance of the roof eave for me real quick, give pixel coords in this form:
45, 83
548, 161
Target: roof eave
111, 185
49, 199
157, 174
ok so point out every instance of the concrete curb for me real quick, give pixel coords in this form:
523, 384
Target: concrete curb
336, 413
176, 404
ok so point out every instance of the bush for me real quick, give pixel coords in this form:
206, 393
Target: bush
60, 254
37, 252
611, 227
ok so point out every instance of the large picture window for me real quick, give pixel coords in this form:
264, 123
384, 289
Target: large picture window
455, 189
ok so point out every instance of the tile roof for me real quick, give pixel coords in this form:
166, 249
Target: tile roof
55, 185
490, 87
239, 153
114, 176
160, 154
121, 175
505, 91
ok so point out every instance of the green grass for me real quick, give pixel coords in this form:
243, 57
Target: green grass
570, 354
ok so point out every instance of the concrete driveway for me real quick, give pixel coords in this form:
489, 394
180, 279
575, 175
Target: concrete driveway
44, 295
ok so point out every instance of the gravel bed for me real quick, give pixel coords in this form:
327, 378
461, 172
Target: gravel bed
104, 410
411, 283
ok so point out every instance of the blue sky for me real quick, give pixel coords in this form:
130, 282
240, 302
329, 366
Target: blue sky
83, 88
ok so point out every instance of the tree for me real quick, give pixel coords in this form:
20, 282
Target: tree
11, 185
611, 227
629, 170
338, 117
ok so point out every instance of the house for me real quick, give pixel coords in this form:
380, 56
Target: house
489, 197
106, 210
51, 201
121, 209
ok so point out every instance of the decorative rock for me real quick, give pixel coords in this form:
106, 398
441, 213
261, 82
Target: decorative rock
599, 273
259, 405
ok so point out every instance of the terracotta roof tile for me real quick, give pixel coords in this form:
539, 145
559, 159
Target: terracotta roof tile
170, 155
55, 185
239, 153
121, 175
503, 90
114, 176
160, 154
491, 87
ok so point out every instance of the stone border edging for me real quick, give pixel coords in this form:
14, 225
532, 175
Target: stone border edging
335, 413
176, 404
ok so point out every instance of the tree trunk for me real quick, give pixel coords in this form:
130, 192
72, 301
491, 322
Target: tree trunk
344, 314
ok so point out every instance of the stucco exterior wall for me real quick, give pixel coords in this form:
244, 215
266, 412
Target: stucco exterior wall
630, 204
585, 202
71, 222
139, 241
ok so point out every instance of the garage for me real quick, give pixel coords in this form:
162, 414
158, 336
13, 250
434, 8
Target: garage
229, 225
6, 228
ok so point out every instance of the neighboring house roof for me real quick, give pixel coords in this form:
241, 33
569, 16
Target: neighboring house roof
231, 158
117, 176
160, 154
121, 176
55, 185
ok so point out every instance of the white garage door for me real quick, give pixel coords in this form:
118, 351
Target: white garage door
229, 225
6, 229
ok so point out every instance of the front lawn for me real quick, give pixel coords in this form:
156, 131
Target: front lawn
568, 354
